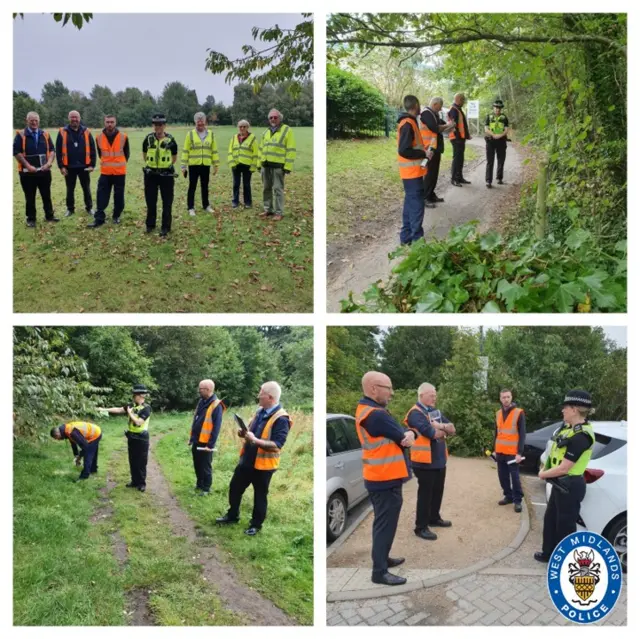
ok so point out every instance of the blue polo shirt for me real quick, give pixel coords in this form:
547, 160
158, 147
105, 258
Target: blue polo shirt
37, 143
278, 436
380, 423
421, 423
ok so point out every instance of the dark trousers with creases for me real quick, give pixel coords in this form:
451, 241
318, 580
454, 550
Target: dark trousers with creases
196, 173
458, 160
154, 183
138, 457
202, 465
562, 512
387, 505
431, 178
412, 210
430, 491
495, 148
241, 172
509, 476
103, 195
31, 183
243, 477
72, 176
90, 456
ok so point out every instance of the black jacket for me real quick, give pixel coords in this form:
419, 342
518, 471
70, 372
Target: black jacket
76, 149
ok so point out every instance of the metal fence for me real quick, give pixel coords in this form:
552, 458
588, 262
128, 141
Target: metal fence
384, 127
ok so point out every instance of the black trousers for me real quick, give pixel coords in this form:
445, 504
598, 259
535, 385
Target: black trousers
31, 183
458, 160
495, 148
430, 491
387, 505
103, 195
154, 182
509, 476
241, 172
562, 512
243, 477
202, 465
138, 457
431, 178
90, 456
85, 183
196, 173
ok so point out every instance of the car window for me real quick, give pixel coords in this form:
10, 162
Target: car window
336, 437
605, 445
352, 435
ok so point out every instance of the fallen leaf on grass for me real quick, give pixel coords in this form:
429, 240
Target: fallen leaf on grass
266, 287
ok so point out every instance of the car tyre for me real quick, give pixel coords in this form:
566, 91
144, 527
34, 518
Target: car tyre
336, 516
617, 537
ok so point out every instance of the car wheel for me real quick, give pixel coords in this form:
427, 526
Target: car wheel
336, 516
617, 536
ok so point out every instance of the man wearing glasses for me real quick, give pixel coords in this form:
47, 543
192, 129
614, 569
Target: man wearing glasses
385, 468
277, 155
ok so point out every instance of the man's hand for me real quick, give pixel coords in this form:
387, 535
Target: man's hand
64, 171
409, 439
90, 169
46, 167
440, 434
250, 437
519, 458
450, 429
31, 168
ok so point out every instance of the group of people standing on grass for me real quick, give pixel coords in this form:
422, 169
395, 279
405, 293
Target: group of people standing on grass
420, 142
76, 152
263, 438
392, 454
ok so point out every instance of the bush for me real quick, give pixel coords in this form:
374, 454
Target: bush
352, 103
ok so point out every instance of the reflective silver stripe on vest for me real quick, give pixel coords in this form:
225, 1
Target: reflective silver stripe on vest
506, 442
368, 444
384, 460
420, 447
410, 163
511, 425
268, 455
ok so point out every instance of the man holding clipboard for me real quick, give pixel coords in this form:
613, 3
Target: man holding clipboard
204, 433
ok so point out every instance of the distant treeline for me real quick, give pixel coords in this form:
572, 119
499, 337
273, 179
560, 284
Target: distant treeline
134, 107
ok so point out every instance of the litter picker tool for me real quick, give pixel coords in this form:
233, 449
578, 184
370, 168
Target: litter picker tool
240, 422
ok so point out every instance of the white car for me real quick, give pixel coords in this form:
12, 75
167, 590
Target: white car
604, 508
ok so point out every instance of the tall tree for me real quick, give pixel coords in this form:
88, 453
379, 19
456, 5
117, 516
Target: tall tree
351, 352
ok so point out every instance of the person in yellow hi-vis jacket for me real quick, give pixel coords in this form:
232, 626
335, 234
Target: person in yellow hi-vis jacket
277, 155
243, 160
199, 154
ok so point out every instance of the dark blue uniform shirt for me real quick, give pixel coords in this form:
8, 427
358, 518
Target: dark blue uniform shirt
278, 436
198, 420
37, 143
421, 423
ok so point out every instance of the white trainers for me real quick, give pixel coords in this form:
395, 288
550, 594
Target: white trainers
192, 212
209, 209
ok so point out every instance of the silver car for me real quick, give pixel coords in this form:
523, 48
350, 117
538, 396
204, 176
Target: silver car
345, 484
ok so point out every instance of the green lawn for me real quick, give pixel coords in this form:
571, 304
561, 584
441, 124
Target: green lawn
363, 180
230, 261
64, 562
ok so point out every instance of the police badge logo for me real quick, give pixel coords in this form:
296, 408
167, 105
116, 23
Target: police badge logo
584, 577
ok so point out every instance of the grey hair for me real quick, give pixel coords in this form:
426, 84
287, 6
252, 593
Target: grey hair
199, 116
33, 113
73, 111
278, 112
244, 123
436, 100
423, 388
273, 389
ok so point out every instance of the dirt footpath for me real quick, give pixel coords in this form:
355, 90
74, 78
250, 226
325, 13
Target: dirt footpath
367, 262
480, 527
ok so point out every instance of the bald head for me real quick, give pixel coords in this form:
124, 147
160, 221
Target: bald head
377, 386
74, 119
206, 388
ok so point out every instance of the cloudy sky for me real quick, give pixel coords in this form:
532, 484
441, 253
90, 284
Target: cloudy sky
141, 50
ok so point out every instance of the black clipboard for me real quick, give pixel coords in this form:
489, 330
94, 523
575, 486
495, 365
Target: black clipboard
240, 422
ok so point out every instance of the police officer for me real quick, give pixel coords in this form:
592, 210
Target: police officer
34, 153
570, 453
429, 459
84, 438
496, 131
137, 435
385, 468
159, 153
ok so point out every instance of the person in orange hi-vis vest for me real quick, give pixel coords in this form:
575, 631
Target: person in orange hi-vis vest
205, 429
508, 446
459, 135
113, 150
259, 457
429, 459
385, 467
84, 438
412, 166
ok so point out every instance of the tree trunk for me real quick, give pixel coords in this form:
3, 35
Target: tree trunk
541, 202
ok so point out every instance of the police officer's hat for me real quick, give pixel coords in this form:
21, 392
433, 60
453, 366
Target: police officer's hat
498, 103
159, 118
139, 389
578, 398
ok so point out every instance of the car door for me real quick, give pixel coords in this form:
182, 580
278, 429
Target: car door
353, 462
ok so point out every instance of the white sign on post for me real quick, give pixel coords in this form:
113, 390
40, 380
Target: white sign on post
473, 110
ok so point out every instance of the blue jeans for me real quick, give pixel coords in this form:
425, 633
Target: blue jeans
413, 210
509, 476
90, 455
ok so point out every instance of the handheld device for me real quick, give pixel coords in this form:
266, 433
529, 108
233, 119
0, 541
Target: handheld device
240, 422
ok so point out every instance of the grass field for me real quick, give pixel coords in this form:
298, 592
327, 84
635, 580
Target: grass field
363, 180
64, 548
230, 261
